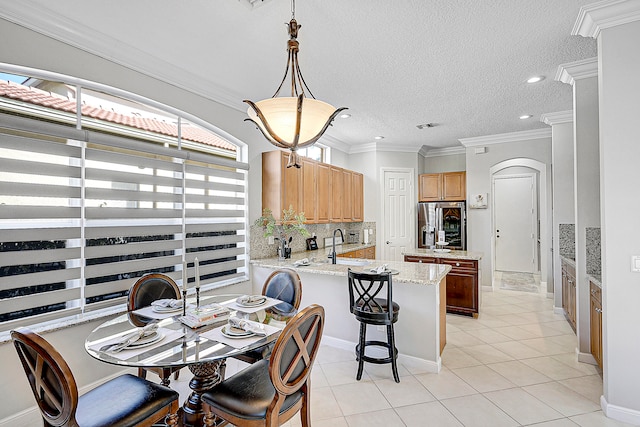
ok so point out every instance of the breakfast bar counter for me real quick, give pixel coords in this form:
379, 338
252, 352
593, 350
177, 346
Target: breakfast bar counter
419, 289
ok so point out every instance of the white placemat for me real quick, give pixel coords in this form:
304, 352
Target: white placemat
216, 335
233, 305
169, 335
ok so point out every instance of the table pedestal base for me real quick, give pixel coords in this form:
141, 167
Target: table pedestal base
205, 376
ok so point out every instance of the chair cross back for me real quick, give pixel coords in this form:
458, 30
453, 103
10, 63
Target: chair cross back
366, 296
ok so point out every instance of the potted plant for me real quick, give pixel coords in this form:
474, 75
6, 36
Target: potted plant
291, 223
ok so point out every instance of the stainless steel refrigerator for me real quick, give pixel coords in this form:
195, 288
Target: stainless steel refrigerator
447, 217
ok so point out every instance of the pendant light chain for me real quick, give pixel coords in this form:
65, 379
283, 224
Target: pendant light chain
293, 9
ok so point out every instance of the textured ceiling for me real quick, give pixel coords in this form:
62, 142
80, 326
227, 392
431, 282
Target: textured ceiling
461, 64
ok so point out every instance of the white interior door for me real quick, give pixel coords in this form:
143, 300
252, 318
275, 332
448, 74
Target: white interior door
398, 213
515, 214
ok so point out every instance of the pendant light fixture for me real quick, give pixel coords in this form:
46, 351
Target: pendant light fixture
294, 121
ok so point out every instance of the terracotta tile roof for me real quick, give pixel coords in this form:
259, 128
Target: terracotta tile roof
55, 101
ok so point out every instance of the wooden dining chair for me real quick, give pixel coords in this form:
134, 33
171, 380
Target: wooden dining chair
147, 289
123, 401
271, 391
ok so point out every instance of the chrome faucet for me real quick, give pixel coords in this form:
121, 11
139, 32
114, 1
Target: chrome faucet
332, 255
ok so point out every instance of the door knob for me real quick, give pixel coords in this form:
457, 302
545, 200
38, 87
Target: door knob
388, 242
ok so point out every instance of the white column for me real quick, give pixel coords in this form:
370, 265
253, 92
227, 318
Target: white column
583, 76
616, 26
563, 193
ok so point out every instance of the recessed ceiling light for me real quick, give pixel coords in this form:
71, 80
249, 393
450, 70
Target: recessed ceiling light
345, 116
525, 116
535, 79
378, 137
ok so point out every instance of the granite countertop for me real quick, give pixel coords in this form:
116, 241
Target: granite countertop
451, 255
595, 278
340, 249
408, 272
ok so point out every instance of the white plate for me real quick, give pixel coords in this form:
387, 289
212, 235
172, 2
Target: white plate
232, 334
146, 340
257, 303
165, 309
442, 250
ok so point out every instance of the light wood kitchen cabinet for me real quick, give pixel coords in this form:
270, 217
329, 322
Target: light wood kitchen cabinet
323, 192
596, 322
462, 283
448, 186
358, 197
569, 292
370, 252
366, 253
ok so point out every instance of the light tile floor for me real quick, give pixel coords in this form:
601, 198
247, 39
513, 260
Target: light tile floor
515, 365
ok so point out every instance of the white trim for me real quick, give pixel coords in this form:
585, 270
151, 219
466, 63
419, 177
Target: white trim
506, 137
595, 17
626, 415
577, 70
557, 118
439, 152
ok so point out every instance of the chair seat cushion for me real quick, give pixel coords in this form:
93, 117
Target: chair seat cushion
373, 313
248, 393
124, 401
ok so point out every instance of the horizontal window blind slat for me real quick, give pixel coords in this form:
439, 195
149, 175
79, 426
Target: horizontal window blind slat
132, 248
138, 161
128, 177
49, 129
211, 227
131, 195
227, 173
196, 242
101, 305
220, 266
145, 264
94, 232
31, 145
214, 186
127, 213
37, 212
218, 200
41, 318
38, 300
213, 255
39, 278
26, 166
29, 234
115, 286
214, 213
39, 256
39, 190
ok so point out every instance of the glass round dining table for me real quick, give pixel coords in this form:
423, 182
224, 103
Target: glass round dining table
203, 350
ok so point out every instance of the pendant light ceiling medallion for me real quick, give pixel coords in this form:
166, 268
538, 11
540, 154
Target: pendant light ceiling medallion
294, 121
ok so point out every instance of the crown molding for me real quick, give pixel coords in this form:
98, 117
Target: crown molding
505, 138
51, 24
598, 16
439, 152
571, 71
557, 117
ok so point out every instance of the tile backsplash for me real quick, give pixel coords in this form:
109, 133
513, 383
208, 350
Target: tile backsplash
567, 240
260, 248
594, 256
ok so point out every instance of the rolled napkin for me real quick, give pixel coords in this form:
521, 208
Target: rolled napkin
247, 325
303, 261
249, 299
131, 338
382, 269
167, 303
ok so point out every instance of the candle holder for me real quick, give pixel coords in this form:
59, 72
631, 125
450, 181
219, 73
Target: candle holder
184, 302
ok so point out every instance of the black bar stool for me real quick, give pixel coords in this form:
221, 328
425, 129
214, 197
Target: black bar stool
370, 299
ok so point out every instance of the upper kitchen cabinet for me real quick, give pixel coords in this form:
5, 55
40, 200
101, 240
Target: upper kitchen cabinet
323, 192
448, 186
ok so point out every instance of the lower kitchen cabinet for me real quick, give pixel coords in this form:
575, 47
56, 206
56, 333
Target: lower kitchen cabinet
367, 253
596, 322
462, 283
569, 292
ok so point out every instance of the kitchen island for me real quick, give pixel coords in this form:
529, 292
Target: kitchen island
418, 288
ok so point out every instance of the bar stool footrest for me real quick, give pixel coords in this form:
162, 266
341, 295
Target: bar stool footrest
377, 360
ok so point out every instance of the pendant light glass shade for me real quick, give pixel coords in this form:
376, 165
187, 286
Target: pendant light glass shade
294, 121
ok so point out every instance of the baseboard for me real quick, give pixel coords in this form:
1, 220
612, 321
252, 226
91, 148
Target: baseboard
618, 413
417, 364
558, 310
31, 417
586, 358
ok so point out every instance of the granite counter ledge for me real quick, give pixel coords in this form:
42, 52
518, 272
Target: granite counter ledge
454, 254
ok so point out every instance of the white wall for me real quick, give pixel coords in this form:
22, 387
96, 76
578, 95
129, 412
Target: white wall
619, 109
440, 164
479, 221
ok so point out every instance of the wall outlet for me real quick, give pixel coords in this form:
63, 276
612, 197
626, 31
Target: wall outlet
271, 240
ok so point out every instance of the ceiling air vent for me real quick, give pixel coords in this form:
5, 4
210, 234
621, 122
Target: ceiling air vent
252, 4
